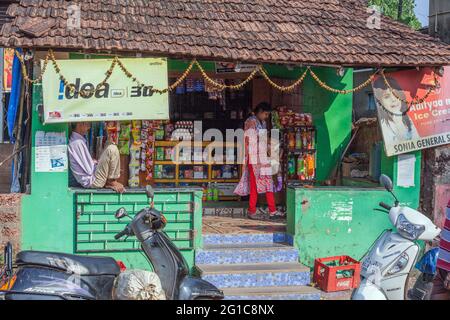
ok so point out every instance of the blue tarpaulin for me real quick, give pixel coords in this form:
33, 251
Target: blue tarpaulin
14, 99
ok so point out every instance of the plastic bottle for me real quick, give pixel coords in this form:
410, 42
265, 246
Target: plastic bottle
298, 139
310, 166
300, 168
209, 195
291, 166
215, 192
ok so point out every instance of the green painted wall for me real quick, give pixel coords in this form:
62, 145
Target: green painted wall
332, 115
48, 212
329, 221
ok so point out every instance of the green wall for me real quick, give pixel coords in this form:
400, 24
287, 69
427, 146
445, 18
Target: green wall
332, 115
330, 221
49, 211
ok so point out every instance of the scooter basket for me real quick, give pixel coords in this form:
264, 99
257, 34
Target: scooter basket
337, 273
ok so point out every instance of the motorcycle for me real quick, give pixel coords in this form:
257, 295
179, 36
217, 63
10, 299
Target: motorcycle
60, 276
386, 267
427, 265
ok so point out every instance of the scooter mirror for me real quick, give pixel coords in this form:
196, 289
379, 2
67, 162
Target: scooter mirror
120, 213
150, 192
386, 182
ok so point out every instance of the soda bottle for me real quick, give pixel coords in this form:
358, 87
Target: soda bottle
209, 195
215, 192
291, 166
298, 139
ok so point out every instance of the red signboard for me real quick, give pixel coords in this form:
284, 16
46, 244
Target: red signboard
407, 127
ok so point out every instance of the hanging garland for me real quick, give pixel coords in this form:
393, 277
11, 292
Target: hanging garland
416, 99
259, 69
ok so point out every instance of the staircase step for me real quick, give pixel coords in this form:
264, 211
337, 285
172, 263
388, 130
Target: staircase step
246, 253
255, 275
271, 293
228, 238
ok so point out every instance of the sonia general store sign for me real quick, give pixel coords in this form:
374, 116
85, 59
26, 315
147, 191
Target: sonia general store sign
418, 126
119, 99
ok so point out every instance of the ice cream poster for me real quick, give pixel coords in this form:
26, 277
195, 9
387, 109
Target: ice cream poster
407, 126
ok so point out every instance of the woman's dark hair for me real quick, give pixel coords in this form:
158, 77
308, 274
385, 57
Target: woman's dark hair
262, 107
385, 115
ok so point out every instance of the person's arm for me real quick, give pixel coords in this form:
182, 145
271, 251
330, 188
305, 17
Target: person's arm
80, 154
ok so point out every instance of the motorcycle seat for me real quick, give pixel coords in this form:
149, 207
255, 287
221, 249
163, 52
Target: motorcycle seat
81, 265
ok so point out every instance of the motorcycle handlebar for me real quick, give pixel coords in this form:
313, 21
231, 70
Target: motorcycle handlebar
385, 206
120, 234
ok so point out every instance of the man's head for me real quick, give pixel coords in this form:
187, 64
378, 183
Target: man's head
81, 127
262, 111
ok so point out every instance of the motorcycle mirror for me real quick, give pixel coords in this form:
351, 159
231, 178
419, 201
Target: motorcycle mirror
120, 213
386, 182
149, 191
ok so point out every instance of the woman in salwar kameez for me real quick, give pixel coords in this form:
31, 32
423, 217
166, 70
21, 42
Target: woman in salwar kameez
257, 170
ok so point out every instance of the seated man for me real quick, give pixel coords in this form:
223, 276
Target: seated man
87, 171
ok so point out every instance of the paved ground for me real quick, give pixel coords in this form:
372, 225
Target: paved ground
218, 224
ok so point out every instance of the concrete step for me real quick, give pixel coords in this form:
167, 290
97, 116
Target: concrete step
255, 275
228, 238
246, 253
271, 293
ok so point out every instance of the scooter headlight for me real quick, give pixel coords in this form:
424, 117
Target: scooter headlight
400, 264
407, 229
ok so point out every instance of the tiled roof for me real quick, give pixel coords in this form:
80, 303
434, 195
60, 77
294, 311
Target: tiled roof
287, 31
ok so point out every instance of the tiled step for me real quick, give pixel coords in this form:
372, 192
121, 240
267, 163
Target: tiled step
255, 275
228, 238
246, 253
269, 293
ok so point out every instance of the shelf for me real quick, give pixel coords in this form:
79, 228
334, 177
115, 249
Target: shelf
165, 162
310, 127
164, 180
301, 181
298, 151
164, 143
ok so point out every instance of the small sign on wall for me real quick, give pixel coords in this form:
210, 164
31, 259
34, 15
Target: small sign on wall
405, 170
50, 152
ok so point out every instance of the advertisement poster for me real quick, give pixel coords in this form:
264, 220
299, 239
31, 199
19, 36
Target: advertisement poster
8, 57
405, 127
50, 152
119, 99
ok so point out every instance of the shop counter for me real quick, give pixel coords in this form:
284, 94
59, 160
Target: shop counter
341, 220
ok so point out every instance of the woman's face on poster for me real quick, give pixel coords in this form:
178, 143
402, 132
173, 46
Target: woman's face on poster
389, 101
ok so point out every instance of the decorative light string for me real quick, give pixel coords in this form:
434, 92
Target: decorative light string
221, 86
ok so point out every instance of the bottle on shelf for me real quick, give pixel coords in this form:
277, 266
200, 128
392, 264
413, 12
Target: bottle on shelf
209, 195
301, 168
291, 167
215, 192
291, 140
298, 139
310, 166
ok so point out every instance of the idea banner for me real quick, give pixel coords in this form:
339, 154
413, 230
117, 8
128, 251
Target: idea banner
408, 127
118, 99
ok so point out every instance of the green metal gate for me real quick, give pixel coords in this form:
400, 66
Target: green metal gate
96, 226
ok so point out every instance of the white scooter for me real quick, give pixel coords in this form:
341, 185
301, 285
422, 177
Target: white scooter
386, 267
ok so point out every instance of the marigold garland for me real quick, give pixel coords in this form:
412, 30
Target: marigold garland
259, 69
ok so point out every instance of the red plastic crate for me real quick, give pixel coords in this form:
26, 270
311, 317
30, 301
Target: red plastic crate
337, 273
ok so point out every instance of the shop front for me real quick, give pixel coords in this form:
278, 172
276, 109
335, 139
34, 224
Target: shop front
168, 83
194, 187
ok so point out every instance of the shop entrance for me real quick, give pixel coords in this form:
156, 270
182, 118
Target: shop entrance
168, 153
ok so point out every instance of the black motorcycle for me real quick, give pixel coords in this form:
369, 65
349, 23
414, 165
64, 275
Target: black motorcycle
59, 276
